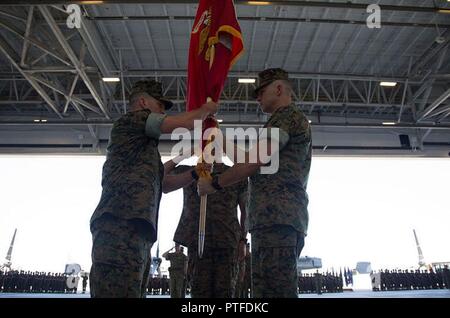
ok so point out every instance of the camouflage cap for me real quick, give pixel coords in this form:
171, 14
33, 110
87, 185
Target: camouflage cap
153, 88
268, 76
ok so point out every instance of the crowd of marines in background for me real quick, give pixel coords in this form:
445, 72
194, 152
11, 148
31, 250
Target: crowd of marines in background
411, 279
14, 281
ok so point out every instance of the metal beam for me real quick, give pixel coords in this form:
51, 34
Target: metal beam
430, 53
130, 38
36, 60
35, 42
109, 123
272, 19
27, 34
252, 41
169, 30
293, 75
9, 15
93, 40
9, 53
67, 96
397, 57
445, 115
435, 105
62, 41
314, 4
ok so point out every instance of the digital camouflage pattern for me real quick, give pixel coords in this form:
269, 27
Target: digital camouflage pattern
215, 274
243, 284
132, 173
281, 198
120, 258
177, 270
275, 251
222, 225
278, 204
124, 224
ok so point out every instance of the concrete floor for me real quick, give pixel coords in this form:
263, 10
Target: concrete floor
439, 293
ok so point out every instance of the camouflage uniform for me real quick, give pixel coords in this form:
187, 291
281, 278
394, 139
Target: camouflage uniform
277, 209
240, 279
214, 275
177, 270
124, 224
244, 273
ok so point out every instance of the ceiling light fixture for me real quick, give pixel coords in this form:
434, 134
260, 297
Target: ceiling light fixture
111, 79
259, 3
388, 84
246, 80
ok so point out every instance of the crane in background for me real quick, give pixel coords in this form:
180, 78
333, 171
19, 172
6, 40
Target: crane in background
419, 250
7, 264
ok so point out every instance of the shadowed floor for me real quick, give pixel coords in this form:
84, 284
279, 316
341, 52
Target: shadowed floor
439, 293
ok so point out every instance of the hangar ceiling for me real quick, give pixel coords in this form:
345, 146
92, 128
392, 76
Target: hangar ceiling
53, 98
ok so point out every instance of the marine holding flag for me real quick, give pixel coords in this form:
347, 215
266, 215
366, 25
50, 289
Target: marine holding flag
277, 204
124, 224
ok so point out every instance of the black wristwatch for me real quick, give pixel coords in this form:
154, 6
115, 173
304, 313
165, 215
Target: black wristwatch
215, 183
194, 175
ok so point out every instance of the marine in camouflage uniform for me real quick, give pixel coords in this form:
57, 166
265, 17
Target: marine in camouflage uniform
177, 271
277, 209
214, 275
124, 224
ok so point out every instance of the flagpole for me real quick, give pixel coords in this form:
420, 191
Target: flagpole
204, 173
207, 72
201, 229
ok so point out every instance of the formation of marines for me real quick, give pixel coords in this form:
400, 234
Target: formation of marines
14, 281
399, 279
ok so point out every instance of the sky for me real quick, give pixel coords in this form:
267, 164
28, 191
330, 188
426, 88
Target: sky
361, 209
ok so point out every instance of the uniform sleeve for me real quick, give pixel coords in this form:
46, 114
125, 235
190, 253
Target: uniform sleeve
243, 190
278, 134
181, 169
153, 125
127, 129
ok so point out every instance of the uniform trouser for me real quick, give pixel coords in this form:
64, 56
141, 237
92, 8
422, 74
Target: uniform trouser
177, 284
240, 280
120, 257
213, 275
275, 251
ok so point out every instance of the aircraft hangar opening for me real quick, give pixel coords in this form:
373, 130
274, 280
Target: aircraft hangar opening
371, 79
